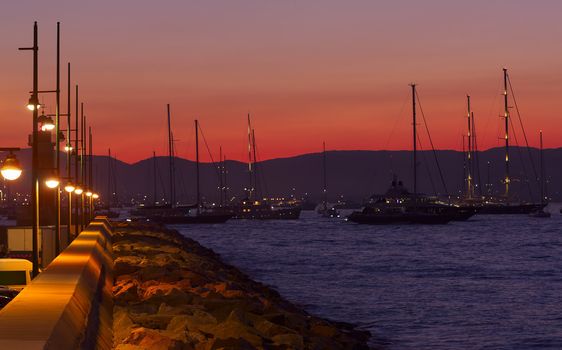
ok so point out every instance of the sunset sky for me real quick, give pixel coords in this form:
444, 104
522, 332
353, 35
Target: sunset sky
307, 71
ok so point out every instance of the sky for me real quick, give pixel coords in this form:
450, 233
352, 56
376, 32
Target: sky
307, 72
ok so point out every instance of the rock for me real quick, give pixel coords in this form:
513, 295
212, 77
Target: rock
172, 293
291, 340
323, 330
151, 339
122, 324
229, 343
126, 291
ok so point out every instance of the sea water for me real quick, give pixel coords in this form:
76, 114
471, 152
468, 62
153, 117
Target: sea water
493, 282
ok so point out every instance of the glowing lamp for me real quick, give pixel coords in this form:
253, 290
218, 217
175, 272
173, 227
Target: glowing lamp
52, 182
78, 190
89, 193
68, 148
11, 169
95, 196
69, 187
33, 104
47, 123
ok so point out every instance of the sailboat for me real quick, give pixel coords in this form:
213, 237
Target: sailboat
540, 213
192, 214
504, 204
324, 209
399, 206
254, 208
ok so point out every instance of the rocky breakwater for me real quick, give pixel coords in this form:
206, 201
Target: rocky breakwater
172, 293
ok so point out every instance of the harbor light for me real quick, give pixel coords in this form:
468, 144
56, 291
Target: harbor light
33, 104
47, 123
69, 187
11, 169
52, 182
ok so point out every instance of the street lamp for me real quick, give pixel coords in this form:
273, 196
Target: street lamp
46, 122
78, 190
69, 187
52, 182
33, 103
11, 169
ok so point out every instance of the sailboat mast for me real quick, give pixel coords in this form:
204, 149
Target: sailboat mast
108, 178
542, 171
197, 163
506, 117
171, 161
225, 183
221, 185
469, 151
415, 143
154, 194
324, 185
250, 167
255, 173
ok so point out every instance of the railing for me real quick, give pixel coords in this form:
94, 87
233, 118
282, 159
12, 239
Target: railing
69, 305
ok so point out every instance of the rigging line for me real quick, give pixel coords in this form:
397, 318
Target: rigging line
432, 147
425, 162
521, 159
215, 166
522, 128
396, 121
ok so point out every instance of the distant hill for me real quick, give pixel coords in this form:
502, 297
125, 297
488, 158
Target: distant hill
354, 175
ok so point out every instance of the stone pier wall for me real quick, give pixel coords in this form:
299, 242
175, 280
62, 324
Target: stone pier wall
69, 305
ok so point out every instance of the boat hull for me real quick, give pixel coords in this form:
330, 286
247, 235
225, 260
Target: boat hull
502, 208
399, 219
268, 214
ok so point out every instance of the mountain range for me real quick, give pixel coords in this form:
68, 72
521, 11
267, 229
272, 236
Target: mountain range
351, 175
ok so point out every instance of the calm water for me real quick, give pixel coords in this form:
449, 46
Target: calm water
494, 282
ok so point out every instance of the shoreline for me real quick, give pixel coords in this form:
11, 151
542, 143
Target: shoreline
172, 293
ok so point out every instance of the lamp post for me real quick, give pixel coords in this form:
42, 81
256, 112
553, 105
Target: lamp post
33, 106
89, 195
69, 188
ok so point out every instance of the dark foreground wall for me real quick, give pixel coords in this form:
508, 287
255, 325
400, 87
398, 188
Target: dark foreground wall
69, 305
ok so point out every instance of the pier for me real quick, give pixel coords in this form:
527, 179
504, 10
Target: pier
128, 285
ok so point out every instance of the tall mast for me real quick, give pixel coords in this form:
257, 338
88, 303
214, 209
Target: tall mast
90, 160
221, 185
68, 133
171, 161
154, 194
109, 196
469, 151
506, 117
415, 143
225, 183
542, 183
197, 163
324, 185
250, 167
255, 173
